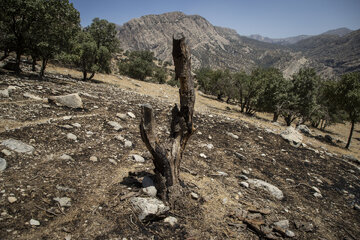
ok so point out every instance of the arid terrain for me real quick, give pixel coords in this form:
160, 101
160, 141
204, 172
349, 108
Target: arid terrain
77, 180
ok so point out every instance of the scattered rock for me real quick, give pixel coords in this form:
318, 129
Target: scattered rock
115, 125
292, 136
194, 196
304, 129
289, 233
232, 135
32, 96
66, 157
120, 138
224, 174
240, 156
12, 199
71, 136
284, 224
273, 190
67, 126
148, 208
128, 144
138, 158
243, 177
150, 191
64, 201
357, 207
203, 155
210, 146
131, 115
112, 161
147, 182
65, 189
77, 125
244, 184
171, 220
18, 146
318, 195
316, 189
122, 116
244, 171
93, 159
4, 93
2, 164
304, 226
6, 152
70, 100
34, 222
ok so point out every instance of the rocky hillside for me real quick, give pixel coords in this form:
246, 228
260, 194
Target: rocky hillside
340, 53
219, 47
211, 46
75, 167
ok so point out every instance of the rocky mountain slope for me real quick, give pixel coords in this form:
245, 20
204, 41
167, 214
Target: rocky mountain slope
219, 47
212, 46
75, 173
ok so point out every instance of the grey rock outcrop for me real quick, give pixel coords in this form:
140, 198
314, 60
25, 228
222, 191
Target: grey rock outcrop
271, 189
292, 136
71, 100
18, 146
148, 208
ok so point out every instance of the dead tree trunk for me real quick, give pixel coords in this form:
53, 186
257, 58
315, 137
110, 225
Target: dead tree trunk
167, 155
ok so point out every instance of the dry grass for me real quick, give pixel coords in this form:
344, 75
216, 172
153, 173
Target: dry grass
209, 105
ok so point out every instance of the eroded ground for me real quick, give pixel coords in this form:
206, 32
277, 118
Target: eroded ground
100, 190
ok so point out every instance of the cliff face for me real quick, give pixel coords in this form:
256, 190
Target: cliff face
214, 47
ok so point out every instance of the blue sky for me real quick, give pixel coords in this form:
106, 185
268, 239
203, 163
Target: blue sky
271, 18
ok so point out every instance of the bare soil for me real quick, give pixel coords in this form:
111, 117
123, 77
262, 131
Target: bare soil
100, 191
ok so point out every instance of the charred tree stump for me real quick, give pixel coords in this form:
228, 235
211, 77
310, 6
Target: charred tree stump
168, 154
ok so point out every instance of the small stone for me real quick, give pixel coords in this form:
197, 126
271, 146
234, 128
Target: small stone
150, 191
171, 220
93, 159
64, 201
32, 96
71, 136
290, 180
4, 93
209, 137
18, 146
70, 100
34, 222
210, 146
284, 224
77, 125
66, 157
318, 195
244, 184
65, 189
115, 125
148, 208
2, 164
131, 115
121, 116
316, 189
120, 138
232, 135
67, 126
239, 155
12, 199
357, 207
194, 196
289, 233
128, 144
263, 155
244, 177
271, 189
113, 161
244, 171
224, 174
138, 158
224, 201
203, 155
6, 152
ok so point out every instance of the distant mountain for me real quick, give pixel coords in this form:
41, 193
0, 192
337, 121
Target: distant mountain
341, 53
211, 46
281, 41
219, 47
292, 40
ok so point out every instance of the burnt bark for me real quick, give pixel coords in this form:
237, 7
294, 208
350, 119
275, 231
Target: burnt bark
168, 154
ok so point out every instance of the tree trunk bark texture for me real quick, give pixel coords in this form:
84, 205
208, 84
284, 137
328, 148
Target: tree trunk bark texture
350, 135
168, 154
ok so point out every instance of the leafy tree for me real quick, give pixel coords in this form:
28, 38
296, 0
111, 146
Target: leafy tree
93, 48
16, 19
274, 95
138, 65
160, 75
59, 21
347, 96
